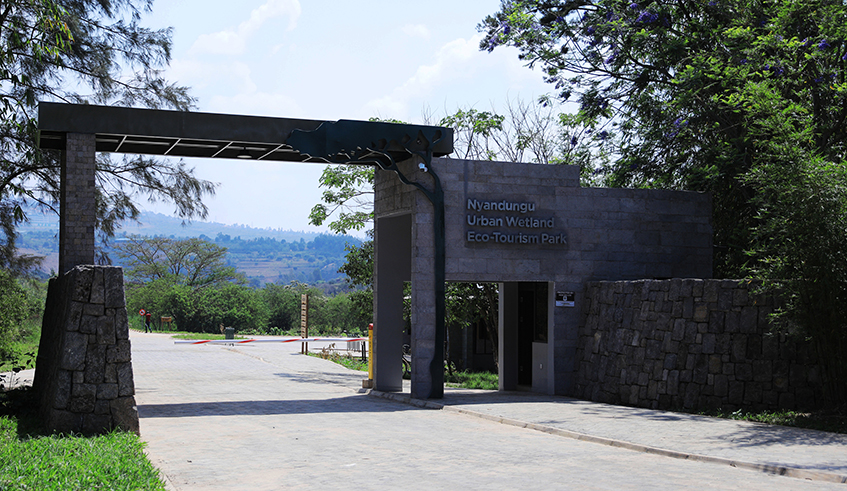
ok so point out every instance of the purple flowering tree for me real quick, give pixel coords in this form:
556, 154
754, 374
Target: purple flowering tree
746, 100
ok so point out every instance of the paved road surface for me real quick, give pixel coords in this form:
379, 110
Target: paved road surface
265, 417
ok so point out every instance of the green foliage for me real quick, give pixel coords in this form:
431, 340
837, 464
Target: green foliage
472, 380
666, 83
192, 262
83, 51
471, 303
346, 360
61, 462
348, 195
746, 100
832, 420
359, 269
13, 312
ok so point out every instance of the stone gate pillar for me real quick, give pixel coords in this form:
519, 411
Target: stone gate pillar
77, 206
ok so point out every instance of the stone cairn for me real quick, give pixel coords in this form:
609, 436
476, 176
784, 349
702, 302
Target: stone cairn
83, 375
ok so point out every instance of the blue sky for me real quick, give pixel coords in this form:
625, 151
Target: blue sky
327, 59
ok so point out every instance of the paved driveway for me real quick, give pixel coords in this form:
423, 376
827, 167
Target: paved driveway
265, 417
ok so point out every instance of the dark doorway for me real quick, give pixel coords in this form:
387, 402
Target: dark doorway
532, 326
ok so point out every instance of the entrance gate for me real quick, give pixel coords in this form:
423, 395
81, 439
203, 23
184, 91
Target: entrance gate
531, 228
79, 131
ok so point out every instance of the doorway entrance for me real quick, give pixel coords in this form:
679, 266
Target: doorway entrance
525, 327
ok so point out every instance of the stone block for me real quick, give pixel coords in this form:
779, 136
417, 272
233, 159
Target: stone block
762, 371
752, 394
64, 421
739, 348
106, 331
701, 370
749, 319
126, 385
107, 391
110, 375
786, 401
692, 393
715, 365
102, 407
740, 297
98, 294
701, 313
754, 347
678, 330
82, 404
736, 393
95, 364
114, 287
673, 382
93, 424
63, 384
725, 300
691, 330
743, 372
84, 390
733, 322
73, 355
73, 316
80, 279
721, 385
88, 324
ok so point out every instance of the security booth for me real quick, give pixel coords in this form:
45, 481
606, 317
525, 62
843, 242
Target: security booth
539, 235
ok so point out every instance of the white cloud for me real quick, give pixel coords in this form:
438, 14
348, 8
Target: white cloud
451, 62
416, 31
234, 41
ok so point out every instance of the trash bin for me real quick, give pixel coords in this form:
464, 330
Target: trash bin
229, 333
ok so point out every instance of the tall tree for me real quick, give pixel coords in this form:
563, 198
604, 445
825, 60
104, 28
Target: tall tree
192, 262
746, 99
669, 82
83, 51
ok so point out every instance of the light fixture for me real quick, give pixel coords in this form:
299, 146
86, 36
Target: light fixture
244, 154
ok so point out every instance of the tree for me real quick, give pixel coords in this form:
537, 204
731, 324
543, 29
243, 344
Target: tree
83, 51
665, 80
13, 306
359, 268
193, 262
744, 99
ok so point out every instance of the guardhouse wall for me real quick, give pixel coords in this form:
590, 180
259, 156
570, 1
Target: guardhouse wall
609, 234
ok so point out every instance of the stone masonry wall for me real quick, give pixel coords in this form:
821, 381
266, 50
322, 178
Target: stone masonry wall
83, 372
77, 210
692, 344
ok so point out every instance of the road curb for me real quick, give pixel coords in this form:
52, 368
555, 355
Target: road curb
780, 470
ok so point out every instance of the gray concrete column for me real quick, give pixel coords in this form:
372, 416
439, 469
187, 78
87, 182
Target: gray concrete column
507, 336
392, 266
77, 206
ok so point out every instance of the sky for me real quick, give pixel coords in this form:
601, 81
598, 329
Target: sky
327, 60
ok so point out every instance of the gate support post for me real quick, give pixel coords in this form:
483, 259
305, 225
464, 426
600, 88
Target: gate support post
77, 205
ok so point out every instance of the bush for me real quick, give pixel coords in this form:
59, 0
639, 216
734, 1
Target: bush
15, 308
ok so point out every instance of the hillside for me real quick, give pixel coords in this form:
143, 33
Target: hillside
263, 255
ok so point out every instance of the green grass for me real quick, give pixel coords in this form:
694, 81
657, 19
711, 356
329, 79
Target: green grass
464, 380
346, 360
31, 460
199, 335
24, 349
472, 380
833, 420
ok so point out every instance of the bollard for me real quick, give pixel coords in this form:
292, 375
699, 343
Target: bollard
369, 383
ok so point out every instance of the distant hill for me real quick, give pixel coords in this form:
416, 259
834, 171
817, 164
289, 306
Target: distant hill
264, 255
